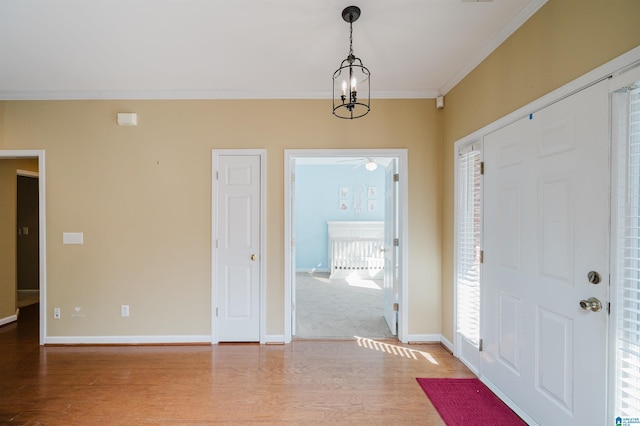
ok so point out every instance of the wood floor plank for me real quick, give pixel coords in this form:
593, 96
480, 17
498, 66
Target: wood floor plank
306, 382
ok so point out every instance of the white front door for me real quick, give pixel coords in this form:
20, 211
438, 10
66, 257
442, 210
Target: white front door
237, 256
390, 287
546, 229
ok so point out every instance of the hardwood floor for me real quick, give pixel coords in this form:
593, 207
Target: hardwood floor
306, 382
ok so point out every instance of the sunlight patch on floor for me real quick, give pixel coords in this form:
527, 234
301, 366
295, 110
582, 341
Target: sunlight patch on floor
395, 349
355, 281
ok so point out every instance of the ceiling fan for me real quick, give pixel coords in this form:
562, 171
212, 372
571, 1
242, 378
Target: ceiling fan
369, 163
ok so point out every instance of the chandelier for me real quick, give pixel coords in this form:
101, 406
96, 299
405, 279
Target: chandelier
351, 82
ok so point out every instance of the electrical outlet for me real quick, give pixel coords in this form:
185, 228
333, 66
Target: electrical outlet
124, 310
56, 313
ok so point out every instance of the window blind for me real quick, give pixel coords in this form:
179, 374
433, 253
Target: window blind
627, 299
468, 225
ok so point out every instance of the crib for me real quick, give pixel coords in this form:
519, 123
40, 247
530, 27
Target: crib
355, 248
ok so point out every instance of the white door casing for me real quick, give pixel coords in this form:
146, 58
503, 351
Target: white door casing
238, 246
390, 287
292, 247
401, 158
546, 226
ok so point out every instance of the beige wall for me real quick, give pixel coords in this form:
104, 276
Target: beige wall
1, 123
142, 197
8, 190
564, 40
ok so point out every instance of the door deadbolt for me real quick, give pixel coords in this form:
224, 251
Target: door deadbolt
594, 277
592, 304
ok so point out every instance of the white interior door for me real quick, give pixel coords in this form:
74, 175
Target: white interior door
546, 228
390, 287
237, 248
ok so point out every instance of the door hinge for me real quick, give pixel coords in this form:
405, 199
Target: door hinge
293, 177
396, 177
216, 312
608, 308
482, 167
396, 242
217, 175
481, 256
216, 243
480, 345
396, 307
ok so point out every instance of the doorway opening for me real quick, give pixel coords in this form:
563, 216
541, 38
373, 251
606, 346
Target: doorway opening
27, 250
344, 266
17, 164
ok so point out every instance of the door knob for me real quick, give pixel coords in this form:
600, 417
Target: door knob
253, 257
592, 304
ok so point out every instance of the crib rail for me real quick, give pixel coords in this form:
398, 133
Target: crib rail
355, 247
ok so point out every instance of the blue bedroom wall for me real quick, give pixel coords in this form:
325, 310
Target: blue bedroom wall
332, 192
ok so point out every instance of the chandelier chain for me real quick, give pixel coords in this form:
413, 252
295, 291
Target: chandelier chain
350, 40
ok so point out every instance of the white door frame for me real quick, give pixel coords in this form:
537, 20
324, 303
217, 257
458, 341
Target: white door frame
403, 220
262, 256
42, 223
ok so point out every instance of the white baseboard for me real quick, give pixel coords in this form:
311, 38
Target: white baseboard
126, 340
423, 338
10, 319
274, 339
311, 271
446, 343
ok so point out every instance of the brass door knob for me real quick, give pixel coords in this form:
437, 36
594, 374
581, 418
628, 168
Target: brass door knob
592, 304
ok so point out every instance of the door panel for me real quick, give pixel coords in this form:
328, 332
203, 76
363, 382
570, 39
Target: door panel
238, 246
546, 226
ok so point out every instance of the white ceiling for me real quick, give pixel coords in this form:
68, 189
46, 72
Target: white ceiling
242, 49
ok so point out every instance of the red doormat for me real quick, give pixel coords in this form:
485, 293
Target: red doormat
468, 402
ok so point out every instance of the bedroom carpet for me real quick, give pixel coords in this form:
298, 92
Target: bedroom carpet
339, 309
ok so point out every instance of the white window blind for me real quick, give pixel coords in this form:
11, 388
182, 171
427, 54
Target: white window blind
468, 225
627, 299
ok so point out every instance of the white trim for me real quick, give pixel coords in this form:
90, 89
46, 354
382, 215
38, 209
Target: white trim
402, 156
9, 319
625, 77
310, 271
12, 95
262, 153
42, 223
446, 343
274, 339
604, 71
126, 340
423, 338
27, 173
527, 12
